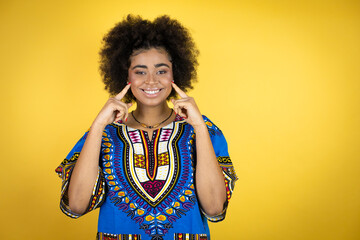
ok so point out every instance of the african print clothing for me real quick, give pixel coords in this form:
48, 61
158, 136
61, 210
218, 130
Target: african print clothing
146, 187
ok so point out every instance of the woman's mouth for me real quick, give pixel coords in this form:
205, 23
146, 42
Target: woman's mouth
151, 91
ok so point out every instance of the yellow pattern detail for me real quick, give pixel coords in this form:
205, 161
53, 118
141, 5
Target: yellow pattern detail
107, 157
170, 211
108, 171
161, 218
176, 204
132, 205
149, 218
139, 160
107, 144
107, 164
121, 194
140, 212
106, 150
163, 159
182, 198
188, 192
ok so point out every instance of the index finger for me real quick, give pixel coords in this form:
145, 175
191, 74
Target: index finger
181, 93
121, 94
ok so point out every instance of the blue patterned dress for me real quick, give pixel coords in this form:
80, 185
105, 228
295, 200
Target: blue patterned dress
145, 188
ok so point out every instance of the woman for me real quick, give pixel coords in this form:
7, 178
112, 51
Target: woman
157, 172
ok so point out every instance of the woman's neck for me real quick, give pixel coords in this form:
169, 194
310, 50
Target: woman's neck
151, 115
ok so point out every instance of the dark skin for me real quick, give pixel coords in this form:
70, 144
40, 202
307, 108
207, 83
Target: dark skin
150, 74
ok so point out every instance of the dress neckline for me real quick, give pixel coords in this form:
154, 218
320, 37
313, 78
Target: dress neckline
178, 118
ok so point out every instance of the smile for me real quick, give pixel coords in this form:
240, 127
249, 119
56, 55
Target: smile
152, 91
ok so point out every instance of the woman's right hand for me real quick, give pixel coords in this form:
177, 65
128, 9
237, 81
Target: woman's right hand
114, 109
83, 177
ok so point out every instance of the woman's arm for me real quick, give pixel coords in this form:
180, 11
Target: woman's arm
85, 172
209, 179
210, 182
86, 169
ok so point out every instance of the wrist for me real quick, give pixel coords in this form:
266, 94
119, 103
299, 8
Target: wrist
200, 127
98, 126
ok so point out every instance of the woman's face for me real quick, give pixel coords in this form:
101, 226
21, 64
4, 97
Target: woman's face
150, 74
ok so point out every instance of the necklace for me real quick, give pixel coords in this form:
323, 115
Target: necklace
154, 126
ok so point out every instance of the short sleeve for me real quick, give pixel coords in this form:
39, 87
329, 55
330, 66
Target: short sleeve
64, 171
221, 151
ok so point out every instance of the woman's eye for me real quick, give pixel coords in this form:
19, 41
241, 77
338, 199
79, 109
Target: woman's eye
140, 72
161, 72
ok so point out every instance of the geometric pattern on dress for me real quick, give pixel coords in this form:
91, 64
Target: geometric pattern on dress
150, 151
139, 161
178, 198
151, 188
163, 159
64, 171
228, 172
135, 136
165, 134
189, 236
153, 220
109, 236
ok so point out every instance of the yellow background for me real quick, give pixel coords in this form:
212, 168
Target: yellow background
280, 78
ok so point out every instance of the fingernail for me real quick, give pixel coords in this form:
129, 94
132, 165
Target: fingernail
172, 81
128, 83
125, 119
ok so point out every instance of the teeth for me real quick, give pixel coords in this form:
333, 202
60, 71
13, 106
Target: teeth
151, 92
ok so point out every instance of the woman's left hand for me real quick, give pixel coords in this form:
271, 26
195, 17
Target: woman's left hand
187, 108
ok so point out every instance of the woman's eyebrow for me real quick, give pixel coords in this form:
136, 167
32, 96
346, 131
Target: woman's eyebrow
161, 64
138, 66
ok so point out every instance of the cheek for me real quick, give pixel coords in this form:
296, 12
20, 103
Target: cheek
133, 89
167, 85
169, 89
134, 79
131, 77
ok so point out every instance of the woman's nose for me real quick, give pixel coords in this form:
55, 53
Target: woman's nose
152, 78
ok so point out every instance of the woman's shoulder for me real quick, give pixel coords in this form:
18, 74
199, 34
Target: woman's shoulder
208, 122
213, 129
206, 119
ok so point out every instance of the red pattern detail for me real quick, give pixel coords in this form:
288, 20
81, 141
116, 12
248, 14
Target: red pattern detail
110, 238
58, 169
96, 196
153, 187
165, 134
135, 137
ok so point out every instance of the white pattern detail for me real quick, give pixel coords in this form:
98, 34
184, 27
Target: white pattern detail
162, 172
141, 174
163, 147
138, 149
